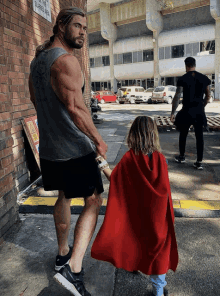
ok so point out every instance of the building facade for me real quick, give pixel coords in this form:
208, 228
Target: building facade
150, 42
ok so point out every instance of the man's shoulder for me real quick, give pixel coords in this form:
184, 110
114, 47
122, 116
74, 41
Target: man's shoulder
65, 62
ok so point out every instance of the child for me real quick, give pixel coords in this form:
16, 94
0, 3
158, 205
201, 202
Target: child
138, 229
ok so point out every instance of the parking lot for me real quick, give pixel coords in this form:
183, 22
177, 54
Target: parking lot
212, 109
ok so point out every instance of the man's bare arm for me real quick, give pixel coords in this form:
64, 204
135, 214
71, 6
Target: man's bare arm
207, 95
66, 81
32, 95
176, 99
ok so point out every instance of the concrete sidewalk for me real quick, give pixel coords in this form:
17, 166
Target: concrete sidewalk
29, 250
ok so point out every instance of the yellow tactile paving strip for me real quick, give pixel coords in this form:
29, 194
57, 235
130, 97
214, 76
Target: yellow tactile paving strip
50, 201
177, 204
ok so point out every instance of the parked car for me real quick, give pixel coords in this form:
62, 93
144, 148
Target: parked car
146, 97
163, 94
131, 94
106, 96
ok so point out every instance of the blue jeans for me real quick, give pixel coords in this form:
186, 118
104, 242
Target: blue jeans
158, 283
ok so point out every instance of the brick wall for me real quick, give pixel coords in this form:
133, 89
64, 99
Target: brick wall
21, 31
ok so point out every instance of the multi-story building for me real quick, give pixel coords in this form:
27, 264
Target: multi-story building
144, 42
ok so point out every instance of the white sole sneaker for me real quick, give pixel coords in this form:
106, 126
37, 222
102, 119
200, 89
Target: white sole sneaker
57, 268
66, 284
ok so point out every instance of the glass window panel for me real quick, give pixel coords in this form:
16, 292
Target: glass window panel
148, 55
208, 46
92, 64
189, 50
167, 52
140, 56
177, 51
97, 86
120, 58
98, 62
106, 61
135, 57
115, 59
161, 53
127, 58
195, 48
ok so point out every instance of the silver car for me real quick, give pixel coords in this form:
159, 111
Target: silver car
163, 94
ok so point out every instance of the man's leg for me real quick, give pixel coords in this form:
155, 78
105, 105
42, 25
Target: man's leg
62, 219
84, 230
199, 141
182, 138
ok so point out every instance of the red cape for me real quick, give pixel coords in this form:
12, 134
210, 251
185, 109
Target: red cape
138, 229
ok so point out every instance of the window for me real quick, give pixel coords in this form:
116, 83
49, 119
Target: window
189, 49
159, 89
98, 62
208, 46
177, 51
120, 59
167, 52
137, 56
92, 63
97, 86
105, 61
161, 53
115, 59
148, 55
127, 58
195, 48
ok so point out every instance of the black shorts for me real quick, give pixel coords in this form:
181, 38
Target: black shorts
76, 177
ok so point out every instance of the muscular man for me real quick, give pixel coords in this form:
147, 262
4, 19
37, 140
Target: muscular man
69, 142
194, 85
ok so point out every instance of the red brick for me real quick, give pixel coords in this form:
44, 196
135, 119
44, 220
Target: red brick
6, 161
9, 142
16, 115
5, 116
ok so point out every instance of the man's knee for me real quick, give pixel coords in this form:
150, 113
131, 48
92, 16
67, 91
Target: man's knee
94, 200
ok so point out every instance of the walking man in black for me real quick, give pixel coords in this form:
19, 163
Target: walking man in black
194, 85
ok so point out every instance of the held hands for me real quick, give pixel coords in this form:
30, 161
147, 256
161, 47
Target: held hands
102, 163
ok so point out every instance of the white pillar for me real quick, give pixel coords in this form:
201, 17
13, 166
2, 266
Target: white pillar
215, 12
109, 32
154, 22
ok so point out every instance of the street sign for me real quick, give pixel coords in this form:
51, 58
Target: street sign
42, 7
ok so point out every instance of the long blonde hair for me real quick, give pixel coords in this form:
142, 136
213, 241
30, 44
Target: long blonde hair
143, 135
64, 16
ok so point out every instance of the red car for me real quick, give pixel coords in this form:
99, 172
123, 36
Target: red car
105, 96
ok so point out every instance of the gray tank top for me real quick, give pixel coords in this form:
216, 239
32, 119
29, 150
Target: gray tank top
60, 139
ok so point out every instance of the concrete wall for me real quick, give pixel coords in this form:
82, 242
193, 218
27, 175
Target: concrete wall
187, 35
188, 18
176, 67
21, 31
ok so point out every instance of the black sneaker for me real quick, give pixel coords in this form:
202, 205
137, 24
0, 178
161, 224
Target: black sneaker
198, 165
180, 159
73, 282
62, 260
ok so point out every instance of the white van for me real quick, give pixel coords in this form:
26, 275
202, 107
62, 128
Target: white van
129, 94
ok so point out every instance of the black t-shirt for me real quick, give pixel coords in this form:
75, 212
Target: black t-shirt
194, 85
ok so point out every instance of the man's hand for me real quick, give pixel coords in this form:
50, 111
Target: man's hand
101, 149
172, 118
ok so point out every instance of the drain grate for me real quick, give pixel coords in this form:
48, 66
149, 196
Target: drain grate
164, 121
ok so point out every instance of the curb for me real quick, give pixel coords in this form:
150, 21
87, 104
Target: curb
182, 208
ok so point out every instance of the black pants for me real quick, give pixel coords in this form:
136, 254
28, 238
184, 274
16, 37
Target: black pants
184, 129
